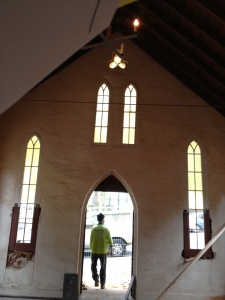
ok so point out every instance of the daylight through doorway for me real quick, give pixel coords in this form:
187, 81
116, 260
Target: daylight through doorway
118, 210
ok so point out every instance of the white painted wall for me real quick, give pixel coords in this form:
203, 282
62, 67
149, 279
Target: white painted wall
63, 111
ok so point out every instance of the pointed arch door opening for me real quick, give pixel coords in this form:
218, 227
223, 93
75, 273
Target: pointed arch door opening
111, 198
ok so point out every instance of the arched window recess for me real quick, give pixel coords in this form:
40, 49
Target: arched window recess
129, 116
102, 112
26, 214
197, 223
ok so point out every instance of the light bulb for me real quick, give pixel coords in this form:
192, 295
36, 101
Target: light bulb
122, 65
117, 59
112, 64
136, 23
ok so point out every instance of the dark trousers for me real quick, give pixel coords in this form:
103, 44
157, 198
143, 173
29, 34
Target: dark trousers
94, 259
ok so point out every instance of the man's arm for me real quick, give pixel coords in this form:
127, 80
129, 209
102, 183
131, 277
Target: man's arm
110, 241
91, 239
111, 252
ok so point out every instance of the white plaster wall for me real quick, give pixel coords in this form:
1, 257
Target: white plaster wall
63, 111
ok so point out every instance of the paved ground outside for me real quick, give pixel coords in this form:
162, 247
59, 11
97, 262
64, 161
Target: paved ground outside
109, 294
118, 273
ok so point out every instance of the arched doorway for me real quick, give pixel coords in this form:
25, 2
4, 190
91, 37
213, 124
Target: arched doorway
113, 197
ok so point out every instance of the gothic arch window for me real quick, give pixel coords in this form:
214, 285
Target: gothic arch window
102, 112
26, 212
129, 117
197, 230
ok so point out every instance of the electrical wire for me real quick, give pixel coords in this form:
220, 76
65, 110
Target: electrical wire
115, 103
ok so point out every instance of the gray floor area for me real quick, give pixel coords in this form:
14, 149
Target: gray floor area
118, 273
91, 294
117, 281
98, 294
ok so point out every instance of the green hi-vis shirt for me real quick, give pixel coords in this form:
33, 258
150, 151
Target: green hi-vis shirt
100, 239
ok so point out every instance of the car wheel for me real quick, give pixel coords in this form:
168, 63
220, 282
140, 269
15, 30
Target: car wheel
119, 248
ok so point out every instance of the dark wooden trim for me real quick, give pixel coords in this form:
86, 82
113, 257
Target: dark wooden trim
14, 226
13, 245
133, 288
82, 263
37, 211
186, 253
208, 232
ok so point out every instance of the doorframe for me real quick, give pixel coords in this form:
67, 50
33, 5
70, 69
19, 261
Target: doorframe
83, 220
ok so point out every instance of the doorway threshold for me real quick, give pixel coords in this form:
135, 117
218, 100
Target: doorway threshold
98, 294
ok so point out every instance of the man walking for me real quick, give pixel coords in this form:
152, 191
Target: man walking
99, 241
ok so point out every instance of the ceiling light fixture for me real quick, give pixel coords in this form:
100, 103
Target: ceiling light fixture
118, 54
118, 61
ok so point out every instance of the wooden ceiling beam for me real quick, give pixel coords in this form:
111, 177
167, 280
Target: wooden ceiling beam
175, 29
190, 66
184, 77
219, 81
159, 48
185, 55
212, 8
189, 17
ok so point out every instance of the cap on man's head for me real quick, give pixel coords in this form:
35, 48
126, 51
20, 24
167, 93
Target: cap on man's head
100, 217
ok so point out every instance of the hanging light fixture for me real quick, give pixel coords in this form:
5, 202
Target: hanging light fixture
117, 58
118, 61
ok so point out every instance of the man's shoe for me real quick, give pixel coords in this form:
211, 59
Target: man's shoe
96, 282
102, 286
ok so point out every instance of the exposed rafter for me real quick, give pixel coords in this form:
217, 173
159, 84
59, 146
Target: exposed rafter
187, 38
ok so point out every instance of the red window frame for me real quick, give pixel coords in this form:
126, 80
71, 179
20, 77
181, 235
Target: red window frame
13, 245
187, 252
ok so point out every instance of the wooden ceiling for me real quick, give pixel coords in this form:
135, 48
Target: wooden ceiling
187, 37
